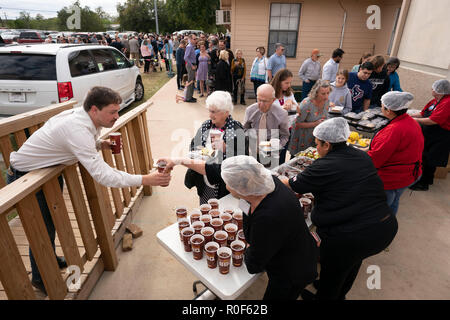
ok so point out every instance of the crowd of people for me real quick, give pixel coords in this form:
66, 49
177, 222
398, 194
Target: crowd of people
356, 191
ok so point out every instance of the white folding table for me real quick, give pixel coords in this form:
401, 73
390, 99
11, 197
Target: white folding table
226, 287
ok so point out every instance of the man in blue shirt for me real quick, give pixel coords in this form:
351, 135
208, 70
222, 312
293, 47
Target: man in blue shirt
276, 62
360, 87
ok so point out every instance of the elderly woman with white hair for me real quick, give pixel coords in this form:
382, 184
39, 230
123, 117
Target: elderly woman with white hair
274, 227
435, 122
396, 150
234, 142
351, 214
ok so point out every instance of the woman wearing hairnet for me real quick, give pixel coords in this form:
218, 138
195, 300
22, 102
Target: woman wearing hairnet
435, 122
279, 240
351, 213
396, 150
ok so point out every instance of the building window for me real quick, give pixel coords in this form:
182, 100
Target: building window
283, 28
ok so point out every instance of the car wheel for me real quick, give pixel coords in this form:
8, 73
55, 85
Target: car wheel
138, 90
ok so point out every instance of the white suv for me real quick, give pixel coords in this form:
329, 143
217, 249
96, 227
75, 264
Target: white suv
37, 75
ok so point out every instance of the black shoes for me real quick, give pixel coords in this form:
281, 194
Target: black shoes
192, 100
61, 262
308, 295
38, 284
419, 187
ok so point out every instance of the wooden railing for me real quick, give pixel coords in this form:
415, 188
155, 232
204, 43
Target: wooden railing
88, 199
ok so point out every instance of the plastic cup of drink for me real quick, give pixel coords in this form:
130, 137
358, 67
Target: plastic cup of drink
198, 226
208, 234
183, 223
238, 218
206, 219
231, 229
214, 203
187, 234
205, 208
217, 224
116, 144
221, 238
241, 236
214, 213
161, 165
197, 241
226, 217
211, 253
181, 212
195, 215
237, 248
224, 259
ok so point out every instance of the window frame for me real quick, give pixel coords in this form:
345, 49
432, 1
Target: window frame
93, 59
269, 54
128, 64
112, 57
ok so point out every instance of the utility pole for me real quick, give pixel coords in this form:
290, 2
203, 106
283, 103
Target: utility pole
156, 17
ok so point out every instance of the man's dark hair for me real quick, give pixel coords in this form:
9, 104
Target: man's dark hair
334, 145
367, 65
337, 53
215, 42
101, 97
400, 112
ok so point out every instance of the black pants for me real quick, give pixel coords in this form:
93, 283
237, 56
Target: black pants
341, 256
427, 174
45, 211
256, 85
181, 70
277, 290
147, 64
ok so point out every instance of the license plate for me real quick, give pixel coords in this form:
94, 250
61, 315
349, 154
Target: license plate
17, 97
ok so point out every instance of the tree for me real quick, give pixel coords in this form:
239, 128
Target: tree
136, 15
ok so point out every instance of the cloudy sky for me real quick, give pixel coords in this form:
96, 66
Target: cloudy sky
49, 8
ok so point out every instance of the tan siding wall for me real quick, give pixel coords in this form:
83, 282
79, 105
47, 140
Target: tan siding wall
320, 27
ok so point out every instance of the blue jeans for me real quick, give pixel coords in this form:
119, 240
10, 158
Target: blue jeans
393, 197
306, 88
13, 175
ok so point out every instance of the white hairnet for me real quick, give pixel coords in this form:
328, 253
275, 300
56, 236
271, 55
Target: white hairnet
332, 130
441, 86
247, 176
396, 100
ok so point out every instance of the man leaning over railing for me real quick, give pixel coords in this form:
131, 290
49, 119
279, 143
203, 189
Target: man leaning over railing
73, 135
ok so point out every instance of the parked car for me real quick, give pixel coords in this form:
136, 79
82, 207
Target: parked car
31, 37
37, 76
2, 42
10, 36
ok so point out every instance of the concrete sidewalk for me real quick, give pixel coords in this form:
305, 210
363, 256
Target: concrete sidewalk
417, 265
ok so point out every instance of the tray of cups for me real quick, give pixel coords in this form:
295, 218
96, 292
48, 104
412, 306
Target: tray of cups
219, 241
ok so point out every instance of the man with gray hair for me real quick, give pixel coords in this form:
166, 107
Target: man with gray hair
276, 62
264, 121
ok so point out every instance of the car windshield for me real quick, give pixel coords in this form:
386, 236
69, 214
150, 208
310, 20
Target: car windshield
27, 67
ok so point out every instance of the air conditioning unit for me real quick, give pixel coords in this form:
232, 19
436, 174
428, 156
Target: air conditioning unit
223, 17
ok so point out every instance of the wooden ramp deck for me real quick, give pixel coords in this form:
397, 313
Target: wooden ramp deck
92, 269
90, 219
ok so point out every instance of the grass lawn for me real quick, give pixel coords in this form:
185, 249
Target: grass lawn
152, 83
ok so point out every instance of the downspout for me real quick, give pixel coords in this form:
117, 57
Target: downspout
343, 25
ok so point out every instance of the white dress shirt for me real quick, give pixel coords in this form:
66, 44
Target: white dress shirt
68, 136
330, 69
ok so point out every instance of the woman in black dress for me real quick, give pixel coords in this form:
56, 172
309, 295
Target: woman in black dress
223, 73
